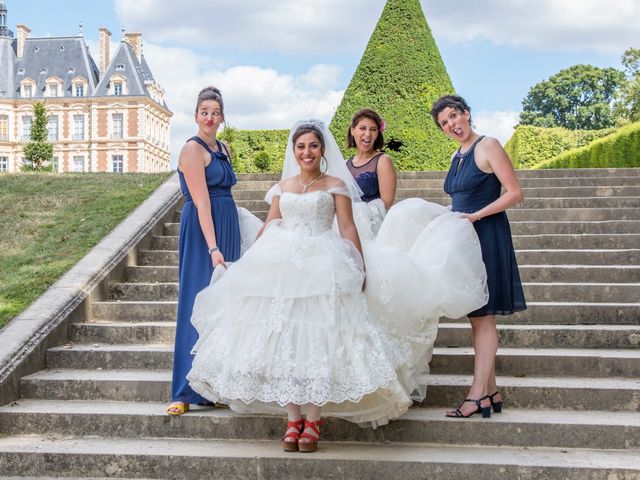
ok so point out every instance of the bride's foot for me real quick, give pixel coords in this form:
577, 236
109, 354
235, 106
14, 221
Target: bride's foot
292, 435
309, 439
177, 408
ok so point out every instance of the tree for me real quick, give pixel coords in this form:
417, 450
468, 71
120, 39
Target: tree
629, 105
38, 151
579, 98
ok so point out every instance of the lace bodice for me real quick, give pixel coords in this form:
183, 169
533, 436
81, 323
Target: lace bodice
311, 213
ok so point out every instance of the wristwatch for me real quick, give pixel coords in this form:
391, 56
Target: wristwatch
213, 249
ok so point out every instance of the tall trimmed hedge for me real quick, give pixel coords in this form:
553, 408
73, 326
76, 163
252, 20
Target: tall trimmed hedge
529, 146
250, 148
619, 150
400, 75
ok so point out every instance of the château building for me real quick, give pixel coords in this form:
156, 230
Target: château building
104, 117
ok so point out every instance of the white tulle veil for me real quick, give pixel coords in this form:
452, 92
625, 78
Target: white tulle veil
336, 165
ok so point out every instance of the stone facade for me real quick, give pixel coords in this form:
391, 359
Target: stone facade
105, 117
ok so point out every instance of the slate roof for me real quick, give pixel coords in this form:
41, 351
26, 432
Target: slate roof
62, 57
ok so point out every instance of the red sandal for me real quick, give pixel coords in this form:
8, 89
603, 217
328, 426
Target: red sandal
292, 446
312, 445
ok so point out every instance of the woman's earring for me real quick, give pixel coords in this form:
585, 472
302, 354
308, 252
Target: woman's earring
323, 161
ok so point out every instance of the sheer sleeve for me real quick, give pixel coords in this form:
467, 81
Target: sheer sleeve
274, 191
340, 190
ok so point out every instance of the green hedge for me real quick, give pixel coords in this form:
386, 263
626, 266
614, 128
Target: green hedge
251, 148
400, 75
621, 149
530, 146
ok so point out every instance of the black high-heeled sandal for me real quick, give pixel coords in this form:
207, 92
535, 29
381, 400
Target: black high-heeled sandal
486, 411
497, 406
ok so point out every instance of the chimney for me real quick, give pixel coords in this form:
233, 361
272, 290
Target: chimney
104, 45
135, 40
23, 34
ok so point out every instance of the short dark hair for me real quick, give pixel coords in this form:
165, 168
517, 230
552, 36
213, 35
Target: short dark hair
372, 115
210, 93
308, 128
448, 101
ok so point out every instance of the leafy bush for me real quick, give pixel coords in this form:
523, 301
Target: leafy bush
619, 150
529, 146
262, 161
247, 145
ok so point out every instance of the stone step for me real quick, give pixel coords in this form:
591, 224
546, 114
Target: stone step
436, 191
579, 273
540, 292
509, 361
591, 292
533, 214
449, 335
520, 242
582, 257
525, 257
538, 313
570, 214
572, 393
536, 428
527, 228
416, 183
124, 332
528, 203
528, 273
191, 459
546, 336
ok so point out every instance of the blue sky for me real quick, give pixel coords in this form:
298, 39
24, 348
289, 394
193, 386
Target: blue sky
282, 60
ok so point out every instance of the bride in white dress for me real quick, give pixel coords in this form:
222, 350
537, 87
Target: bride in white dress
288, 325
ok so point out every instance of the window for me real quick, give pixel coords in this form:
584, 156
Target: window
4, 164
27, 91
78, 163
117, 88
26, 128
4, 127
52, 128
78, 127
118, 163
79, 90
117, 125
119, 68
53, 90
54, 163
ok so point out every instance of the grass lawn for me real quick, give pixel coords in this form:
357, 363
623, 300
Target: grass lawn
50, 221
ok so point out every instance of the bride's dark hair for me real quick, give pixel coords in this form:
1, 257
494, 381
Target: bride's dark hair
308, 128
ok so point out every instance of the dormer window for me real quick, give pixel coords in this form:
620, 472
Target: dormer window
54, 87
117, 85
79, 86
27, 88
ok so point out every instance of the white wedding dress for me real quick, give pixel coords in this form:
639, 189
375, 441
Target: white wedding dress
288, 322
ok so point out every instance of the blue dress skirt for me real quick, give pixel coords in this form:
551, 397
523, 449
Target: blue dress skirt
195, 267
472, 189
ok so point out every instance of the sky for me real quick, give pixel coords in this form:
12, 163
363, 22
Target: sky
280, 61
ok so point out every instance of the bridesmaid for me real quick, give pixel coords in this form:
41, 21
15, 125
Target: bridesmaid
372, 168
479, 170
209, 231
373, 171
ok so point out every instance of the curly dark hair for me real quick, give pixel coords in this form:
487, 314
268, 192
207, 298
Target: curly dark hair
448, 101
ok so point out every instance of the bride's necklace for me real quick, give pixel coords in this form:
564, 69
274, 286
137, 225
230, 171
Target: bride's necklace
307, 185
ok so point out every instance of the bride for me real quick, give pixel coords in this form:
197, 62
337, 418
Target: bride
291, 323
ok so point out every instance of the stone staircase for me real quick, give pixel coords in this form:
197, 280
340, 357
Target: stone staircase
569, 368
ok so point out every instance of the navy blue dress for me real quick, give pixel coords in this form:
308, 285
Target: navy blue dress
472, 189
366, 177
195, 267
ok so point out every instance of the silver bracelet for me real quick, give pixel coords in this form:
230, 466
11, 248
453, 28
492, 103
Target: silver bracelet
213, 249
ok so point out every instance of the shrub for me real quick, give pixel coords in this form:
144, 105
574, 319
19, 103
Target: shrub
262, 161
